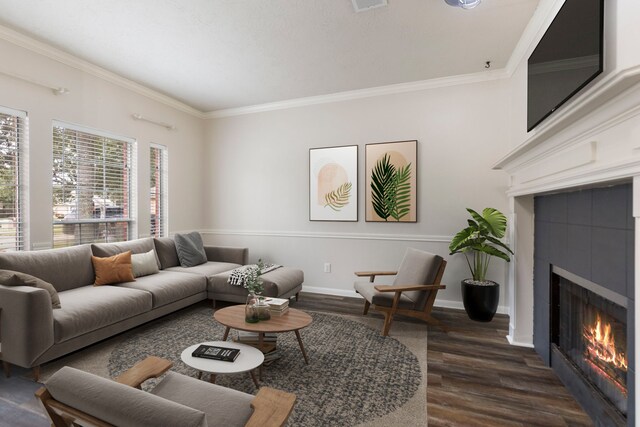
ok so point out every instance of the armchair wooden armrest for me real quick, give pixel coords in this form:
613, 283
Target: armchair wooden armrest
404, 288
151, 367
372, 274
271, 408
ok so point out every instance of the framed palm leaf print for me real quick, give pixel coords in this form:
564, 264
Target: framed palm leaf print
333, 183
391, 180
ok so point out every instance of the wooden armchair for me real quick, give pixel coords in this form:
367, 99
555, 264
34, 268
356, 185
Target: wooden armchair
413, 291
72, 397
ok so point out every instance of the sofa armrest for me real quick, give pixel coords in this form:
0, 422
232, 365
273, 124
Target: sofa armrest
227, 254
26, 324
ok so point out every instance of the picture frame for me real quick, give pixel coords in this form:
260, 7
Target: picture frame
391, 170
333, 183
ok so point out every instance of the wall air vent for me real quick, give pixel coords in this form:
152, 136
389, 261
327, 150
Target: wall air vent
364, 5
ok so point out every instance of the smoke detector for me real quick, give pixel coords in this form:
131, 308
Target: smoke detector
364, 5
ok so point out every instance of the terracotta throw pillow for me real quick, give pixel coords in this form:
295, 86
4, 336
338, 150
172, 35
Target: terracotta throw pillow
16, 278
113, 269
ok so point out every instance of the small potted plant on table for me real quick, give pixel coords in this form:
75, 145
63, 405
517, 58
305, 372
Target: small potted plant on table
478, 243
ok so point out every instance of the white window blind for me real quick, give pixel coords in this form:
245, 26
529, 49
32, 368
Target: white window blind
92, 186
158, 185
13, 151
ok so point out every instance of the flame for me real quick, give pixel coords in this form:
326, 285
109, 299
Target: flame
601, 345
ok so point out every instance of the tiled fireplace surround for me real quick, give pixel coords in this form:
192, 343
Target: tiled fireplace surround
574, 184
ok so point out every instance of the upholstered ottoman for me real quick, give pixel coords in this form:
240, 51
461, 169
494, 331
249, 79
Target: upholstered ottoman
282, 282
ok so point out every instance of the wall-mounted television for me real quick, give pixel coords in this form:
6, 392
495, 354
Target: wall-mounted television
567, 58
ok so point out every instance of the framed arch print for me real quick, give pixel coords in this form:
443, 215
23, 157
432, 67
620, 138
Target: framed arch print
333, 183
391, 181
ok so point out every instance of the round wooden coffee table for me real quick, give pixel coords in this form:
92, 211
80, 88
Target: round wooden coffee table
292, 320
248, 359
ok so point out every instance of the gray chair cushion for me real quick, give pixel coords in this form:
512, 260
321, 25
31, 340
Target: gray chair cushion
119, 404
64, 268
138, 246
384, 299
166, 252
93, 307
168, 286
417, 268
222, 406
190, 249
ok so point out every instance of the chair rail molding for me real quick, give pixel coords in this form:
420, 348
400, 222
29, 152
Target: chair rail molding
332, 235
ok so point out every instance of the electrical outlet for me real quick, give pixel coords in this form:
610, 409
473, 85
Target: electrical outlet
327, 267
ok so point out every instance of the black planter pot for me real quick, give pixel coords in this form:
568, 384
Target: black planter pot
480, 301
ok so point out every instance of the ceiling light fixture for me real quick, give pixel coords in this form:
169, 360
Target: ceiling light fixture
465, 4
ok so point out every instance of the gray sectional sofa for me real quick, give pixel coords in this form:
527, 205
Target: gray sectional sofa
32, 332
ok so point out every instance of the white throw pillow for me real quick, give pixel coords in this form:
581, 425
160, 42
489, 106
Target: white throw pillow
144, 264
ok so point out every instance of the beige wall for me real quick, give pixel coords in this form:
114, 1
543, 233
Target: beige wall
96, 103
258, 185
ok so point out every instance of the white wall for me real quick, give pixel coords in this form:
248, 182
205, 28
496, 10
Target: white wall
258, 180
96, 103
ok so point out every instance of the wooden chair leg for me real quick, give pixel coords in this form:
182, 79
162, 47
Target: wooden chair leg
6, 367
387, 323
366, 307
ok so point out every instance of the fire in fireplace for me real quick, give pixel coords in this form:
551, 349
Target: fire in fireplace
603, 355
589, 328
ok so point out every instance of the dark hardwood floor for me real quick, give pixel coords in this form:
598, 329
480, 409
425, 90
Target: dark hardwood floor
475, 378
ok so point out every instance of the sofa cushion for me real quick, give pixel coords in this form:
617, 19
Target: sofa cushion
222, 406
207, 269
64, 268
16, 278
190, 249
138, 246
90, 308
168, 286
276, 282
144, 264
119, 404
166, 252
113, 269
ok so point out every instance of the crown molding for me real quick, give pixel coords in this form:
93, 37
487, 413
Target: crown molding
58, 55
462, 79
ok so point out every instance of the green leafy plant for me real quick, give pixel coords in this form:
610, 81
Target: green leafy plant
253, 282
390, 189
338, 198
481, 240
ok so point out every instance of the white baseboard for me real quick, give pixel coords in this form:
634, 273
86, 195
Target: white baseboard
518, 343
457, 305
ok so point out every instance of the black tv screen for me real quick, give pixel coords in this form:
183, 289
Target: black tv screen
569, 55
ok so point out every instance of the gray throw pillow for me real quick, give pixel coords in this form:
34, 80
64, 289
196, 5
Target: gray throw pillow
16, 278
144, 264
190, 249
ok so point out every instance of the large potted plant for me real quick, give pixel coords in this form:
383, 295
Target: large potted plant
479, 242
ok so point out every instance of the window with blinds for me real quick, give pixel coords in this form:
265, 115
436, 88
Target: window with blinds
13, 131
92, 186
158, 185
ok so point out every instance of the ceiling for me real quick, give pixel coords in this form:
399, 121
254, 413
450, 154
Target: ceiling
220, 54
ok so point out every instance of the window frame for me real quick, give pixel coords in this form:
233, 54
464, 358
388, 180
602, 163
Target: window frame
163, 194
129, 203
21, 155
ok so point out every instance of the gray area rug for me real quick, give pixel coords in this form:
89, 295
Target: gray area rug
355, 376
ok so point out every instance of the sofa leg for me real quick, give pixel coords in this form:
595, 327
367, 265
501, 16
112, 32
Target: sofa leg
6, 367
36, 373
297, 296
213, 302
